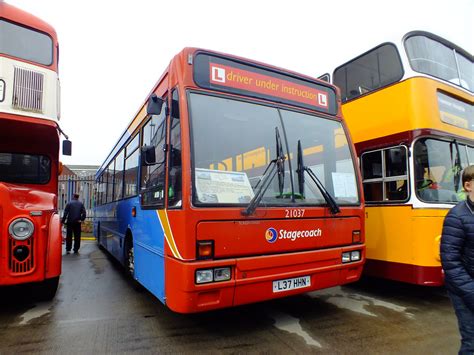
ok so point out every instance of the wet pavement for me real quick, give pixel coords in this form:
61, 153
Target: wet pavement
98, 310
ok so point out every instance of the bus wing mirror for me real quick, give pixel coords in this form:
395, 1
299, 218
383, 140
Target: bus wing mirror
154, 105
67, 147
148, 156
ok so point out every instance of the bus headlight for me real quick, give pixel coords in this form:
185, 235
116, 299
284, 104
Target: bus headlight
355, 255
204, 276
351, 256
213, 275
21, 229
346, 257
222, 274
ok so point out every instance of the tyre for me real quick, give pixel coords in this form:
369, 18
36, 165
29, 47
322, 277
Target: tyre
129, 258
46, 290
129, 263
101, 247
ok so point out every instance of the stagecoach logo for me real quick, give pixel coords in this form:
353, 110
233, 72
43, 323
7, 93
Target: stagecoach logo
271, 234
217, 74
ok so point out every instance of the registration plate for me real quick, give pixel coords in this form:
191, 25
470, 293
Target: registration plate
291, 284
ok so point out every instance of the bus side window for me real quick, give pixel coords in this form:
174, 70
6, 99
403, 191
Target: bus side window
131, 167
174, 179
152, 181
385, 175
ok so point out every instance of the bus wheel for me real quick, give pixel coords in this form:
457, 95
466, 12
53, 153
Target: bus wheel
129, 257
46, 290
101, 247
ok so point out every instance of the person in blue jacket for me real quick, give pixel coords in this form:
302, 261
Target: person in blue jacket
74, 215
457, 259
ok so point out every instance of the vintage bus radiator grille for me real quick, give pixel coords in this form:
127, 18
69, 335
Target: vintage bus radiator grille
28, 90
16, 264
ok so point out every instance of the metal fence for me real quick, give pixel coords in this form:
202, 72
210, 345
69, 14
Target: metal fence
72, 184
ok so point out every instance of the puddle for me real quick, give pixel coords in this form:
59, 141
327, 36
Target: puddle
292, 325
37, 311
355, 302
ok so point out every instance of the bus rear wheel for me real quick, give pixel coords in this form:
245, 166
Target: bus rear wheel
46, 290
101, 247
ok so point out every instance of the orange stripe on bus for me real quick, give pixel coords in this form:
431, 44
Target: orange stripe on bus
163, 217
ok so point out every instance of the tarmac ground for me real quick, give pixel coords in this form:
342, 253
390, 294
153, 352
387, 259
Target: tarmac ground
98, 310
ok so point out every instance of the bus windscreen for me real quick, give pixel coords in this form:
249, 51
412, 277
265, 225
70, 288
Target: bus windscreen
216, 73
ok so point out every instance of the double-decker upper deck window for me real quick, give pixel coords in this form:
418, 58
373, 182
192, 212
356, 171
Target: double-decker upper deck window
371, 71
25, 168
25, 43
434, 58
385, 174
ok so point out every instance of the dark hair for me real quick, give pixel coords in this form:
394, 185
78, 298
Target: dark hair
75, 196
468, 174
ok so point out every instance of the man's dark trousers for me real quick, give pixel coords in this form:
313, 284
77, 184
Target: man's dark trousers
465, 322
76, 229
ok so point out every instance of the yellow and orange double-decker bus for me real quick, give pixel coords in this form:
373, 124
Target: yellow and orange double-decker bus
409, 108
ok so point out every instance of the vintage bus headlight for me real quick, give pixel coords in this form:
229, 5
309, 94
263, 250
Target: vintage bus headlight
21, 229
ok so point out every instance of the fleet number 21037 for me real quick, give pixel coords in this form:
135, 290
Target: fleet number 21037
294, 213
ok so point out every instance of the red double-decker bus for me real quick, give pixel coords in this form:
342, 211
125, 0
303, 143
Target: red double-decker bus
234, 183
30, 237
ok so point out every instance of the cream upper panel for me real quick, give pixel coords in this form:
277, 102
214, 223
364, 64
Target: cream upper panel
28, 90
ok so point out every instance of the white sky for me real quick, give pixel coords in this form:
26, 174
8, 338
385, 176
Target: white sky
112, 52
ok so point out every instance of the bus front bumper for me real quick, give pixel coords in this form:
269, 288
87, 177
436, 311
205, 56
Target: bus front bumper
255, 279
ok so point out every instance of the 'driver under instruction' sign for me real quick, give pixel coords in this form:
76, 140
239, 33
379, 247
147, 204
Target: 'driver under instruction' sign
217, 73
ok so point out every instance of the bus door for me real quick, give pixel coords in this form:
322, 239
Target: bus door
150, 221
174, 189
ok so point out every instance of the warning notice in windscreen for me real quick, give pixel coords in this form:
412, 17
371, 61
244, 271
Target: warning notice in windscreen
226, 75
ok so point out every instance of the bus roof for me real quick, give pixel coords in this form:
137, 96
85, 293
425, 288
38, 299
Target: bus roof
14, 14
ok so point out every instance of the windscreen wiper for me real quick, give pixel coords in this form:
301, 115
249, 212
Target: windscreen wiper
333, 206
300, 170
277, 166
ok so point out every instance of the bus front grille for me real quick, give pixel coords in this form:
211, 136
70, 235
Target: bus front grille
24, 262
28, 90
